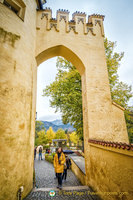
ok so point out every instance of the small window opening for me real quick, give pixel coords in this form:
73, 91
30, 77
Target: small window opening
15, 9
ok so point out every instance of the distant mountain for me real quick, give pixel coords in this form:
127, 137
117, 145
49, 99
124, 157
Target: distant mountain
56, 124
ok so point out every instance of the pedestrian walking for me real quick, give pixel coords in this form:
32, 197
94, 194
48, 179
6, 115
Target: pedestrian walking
67, 165
55, 166
35, 149
59, 160
40, 153
68, 162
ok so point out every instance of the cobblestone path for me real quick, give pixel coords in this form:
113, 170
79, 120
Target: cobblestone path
73, 189
45, 174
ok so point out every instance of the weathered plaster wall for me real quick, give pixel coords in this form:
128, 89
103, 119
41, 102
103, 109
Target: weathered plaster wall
17, 100
110, 170
102, 119
86, 51
78, 172
120, 127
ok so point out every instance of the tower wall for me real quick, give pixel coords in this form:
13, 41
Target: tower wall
17, 99
84, 39
81, 42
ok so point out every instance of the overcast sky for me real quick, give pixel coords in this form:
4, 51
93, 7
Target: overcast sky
118, 26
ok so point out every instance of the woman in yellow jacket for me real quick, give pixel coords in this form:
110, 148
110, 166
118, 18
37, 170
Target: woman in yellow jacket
55, 167
59, 160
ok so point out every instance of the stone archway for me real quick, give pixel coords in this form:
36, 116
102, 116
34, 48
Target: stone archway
61, 50
82, 43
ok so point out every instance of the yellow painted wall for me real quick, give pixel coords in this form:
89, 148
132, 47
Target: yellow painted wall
103, 120
23, 46
110, 170
85, 50
17, 100
78, 172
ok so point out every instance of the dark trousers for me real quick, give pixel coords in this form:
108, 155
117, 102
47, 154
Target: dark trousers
59, 175
40, 156
64, 174
56, 175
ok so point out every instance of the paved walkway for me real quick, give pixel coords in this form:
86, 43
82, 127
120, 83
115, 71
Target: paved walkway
45, 174
72, 188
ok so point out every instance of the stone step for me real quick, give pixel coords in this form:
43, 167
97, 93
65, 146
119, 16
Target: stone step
63, 188
67, 193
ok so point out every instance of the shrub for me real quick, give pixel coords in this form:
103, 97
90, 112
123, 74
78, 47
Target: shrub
49, 158
53, 154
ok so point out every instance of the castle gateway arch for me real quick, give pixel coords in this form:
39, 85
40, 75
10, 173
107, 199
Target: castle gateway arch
28, 37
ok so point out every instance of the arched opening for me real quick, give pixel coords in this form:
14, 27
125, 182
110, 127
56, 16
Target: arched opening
61, 50
66, 53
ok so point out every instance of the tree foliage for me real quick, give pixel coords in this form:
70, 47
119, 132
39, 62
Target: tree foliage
66, 92
74, 137
129, 122
60, 134
41, 139
38, 127
120, 92
50, 135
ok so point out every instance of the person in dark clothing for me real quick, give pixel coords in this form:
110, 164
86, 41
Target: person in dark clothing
34, 153
64, 176
67, 165
68, 162
40, 153
59, 160
56, 176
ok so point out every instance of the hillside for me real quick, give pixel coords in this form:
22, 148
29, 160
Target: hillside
56, 124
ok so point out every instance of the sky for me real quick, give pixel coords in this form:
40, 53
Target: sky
118, 26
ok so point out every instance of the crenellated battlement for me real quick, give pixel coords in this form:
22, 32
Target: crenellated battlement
77, 24
63, 11
78, 14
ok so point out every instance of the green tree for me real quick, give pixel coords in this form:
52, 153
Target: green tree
38, 127
50, 134
60, 134
74, 138
65, 91
42, 138
120, 92
129, 121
